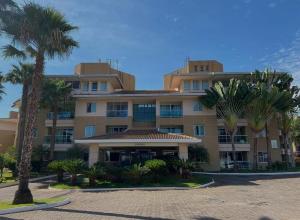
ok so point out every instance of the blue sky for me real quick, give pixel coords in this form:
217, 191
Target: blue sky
152, 37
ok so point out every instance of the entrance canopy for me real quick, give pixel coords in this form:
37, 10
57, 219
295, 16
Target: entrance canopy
136, 137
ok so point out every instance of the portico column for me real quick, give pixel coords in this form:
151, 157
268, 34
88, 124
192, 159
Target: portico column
93, 154
183, 151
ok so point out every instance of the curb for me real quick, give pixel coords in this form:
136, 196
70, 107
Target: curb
249, 174
140, 188
3, 185
34, 207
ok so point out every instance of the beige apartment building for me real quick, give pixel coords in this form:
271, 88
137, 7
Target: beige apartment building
8, 128
119, 124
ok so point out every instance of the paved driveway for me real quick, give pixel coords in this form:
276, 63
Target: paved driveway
232, 198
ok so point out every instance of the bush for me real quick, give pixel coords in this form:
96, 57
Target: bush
74, 167
57, 166
185, 168
114, 173
157, 168
278, 166
136, 173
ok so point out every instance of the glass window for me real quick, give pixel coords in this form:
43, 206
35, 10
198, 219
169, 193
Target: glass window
172, 129
262, 157
117, 109
196, 85
103, 86
94, 86
205, 85
90, 131
116, 129
197, 106
199, 130
85, 86
201, 68
112, 156
186, 85
207, 67
91, 107
195, 68
171, 110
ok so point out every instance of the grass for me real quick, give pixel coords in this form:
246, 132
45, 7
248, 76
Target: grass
8, 205
9, 178
169, 181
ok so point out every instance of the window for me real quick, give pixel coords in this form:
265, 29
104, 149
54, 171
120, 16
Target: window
171, 110
172, 129
262, 157
103, 86
94, 86
186, 85
199, 130
207, 67
116, 129
91, 107
117, 109
62, 136
205, 85
197, 106
201, 68
112, 156
89, 131
74, 84
195, 68
85, 86
196, 85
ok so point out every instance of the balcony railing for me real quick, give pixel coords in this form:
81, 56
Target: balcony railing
117, 113
240, 165
171, 113
61, 115
238, 139
59, 139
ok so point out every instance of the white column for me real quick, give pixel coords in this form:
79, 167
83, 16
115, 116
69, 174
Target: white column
183, 151
93, 154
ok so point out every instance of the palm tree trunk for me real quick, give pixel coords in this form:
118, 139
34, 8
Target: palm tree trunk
53, 134
255, 153
22, 122
268, 145
286, 151
233, 152
23, 194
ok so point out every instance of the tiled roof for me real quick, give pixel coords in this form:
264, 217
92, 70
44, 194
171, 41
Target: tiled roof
152, 134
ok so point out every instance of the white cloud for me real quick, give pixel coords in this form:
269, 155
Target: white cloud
286, 58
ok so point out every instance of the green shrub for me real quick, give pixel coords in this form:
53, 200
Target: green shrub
136, 172
278, 166
185, 167
157, 168
114, 173
74, 167
173, 165
57, 166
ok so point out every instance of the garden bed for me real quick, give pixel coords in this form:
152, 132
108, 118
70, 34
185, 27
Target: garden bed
194, 181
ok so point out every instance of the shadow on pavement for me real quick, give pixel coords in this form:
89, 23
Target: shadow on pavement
110, 214
224, 180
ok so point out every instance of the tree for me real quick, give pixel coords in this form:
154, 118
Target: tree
74, 167
230, 102
54, 94
43, 33
21, 74
57, 166
1, 87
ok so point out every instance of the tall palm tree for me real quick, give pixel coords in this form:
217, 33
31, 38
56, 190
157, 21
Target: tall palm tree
1, 87
41, 32
54, 95
261, 109
21, 74
230, 102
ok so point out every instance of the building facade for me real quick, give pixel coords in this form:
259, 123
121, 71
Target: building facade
119, 124
8, 129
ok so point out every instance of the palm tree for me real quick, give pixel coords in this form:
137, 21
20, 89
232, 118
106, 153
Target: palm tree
1, 87
261, 109
54, 95
21, 74
230, 102
41, 32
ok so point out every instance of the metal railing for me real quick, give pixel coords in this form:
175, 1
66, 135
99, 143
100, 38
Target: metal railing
61, 115
117, 113
59, 139
171, 113
240, 165
238, 139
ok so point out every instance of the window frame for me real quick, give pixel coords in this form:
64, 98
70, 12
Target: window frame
197, 109
262, 157
91, 107
93, 131
195, 129
94, 84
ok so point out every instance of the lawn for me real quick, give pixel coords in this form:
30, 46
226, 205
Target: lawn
8, 177
169, 181
9, 205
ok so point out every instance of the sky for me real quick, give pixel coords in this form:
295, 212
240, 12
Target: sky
150, 38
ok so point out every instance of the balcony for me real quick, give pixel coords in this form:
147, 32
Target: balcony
61, 115
171, 113
238, 139
117, 113
59, 139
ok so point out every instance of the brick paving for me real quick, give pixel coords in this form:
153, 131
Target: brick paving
232, 198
